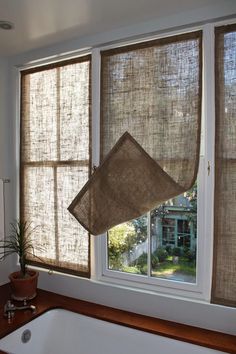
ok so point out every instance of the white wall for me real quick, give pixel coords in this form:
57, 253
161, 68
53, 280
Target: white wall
7, 156
180, 310
196, 313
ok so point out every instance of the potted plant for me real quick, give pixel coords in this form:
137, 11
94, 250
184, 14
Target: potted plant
24, 282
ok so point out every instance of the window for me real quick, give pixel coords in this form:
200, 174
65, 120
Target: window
153, 90
169, 249
191, 226
168, 232
55, 160
224, 284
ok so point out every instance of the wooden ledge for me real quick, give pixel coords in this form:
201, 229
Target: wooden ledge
47, 300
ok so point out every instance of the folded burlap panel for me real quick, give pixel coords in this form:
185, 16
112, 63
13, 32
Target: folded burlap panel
127, 184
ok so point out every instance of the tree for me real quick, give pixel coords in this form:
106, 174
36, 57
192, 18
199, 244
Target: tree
121, 240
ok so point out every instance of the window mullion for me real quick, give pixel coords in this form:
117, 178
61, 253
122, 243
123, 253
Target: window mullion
149, 242
57, 251
97, 262
58, 156
206, 179
58, 122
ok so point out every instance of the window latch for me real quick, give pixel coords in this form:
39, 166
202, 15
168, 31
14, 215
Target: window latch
208, 168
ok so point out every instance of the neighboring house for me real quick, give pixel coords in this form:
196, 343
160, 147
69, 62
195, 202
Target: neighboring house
174, 226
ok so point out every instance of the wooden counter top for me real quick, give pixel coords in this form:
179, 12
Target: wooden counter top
47, 300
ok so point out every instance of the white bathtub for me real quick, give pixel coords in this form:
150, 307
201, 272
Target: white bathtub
64, 332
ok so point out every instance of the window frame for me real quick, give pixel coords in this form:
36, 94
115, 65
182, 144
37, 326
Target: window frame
23, 71
202, 288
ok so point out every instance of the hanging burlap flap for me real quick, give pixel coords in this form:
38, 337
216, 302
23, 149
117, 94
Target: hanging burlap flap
127, 185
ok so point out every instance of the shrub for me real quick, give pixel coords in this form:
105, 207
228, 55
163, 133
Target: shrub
155, 261
185, 250
161, 254
176, 251
169, 250
141, 262
191, 255
143, 270
121, 239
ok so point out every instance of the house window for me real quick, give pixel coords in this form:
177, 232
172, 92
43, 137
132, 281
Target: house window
168, 232
55, 160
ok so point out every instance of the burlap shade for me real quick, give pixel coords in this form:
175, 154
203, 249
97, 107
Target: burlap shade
55, 160
224, 265
128, 184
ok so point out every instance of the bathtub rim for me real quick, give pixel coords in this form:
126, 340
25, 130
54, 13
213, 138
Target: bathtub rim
59, 310
46, 301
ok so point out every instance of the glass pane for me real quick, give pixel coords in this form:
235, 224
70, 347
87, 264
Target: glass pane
152, 91
173, 238
39, 124
74, 112
224, 280
73, 240
127, 247
58, 237
39, 209
55, 149
183, 227
56, 107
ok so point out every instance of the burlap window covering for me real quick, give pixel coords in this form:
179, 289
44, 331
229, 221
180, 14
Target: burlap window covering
150, 130
224, 266
55, 160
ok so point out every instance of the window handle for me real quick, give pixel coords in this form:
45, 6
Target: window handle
208, 168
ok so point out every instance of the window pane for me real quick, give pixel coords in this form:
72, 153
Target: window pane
74, 112
173, 236
55, 160
152, 90
39, 201
39, 138
127, 247
224, 266
168, 230
72, 237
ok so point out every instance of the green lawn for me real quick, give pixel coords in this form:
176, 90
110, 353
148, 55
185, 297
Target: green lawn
167, 268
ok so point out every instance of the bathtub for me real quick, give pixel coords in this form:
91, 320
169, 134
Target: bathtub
60, 331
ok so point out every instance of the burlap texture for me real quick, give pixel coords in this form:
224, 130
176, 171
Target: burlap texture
224, 259
153, 91
55, 160
127, 184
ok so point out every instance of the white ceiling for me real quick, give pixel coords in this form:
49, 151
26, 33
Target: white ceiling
41, 23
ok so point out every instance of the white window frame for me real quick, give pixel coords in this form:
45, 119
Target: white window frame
201, 289
17, 79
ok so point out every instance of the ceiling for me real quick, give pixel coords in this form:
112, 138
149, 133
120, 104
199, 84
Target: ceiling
41, 23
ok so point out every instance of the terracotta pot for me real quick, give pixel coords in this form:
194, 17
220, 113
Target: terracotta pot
24, 288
